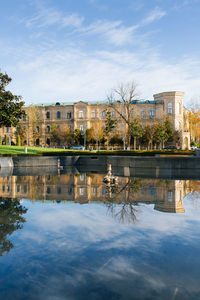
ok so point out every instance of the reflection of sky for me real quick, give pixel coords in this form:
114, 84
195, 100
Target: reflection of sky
73, 251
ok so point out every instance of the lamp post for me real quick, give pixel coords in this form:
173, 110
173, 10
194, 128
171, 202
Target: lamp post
84, 139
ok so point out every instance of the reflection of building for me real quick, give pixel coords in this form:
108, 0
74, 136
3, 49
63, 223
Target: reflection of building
173, 200
166, 195
83, 115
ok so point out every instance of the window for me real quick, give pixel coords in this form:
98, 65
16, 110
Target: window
48, 190
58, 114
37, 129
69, 115
93, 114
69, 191
152, 191
81, 127
103, 191
3, 188
80, 115
151, 113
18, 188
58, 190
81, 191
48, 114
169, 108
7, 129
24, 118
48, 128
103, 114
170, 195
25, 188
112, 113
37, 142
94, 191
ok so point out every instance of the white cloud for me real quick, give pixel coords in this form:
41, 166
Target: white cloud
46, 17
69, 74
153, 16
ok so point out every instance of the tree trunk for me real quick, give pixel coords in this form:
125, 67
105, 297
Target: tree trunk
134, 143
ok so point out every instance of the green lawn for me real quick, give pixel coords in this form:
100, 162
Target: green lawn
31, 150
15, 150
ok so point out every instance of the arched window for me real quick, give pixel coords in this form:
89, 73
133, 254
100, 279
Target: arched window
37, 129
169, 108
37, 142
48, 142
48, 114
48, 129
58, 114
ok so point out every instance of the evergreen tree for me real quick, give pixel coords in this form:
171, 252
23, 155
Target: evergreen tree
136, 130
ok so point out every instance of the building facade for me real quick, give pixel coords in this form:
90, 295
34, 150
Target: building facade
83, 115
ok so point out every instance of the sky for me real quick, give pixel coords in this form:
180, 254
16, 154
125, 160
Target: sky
72, 50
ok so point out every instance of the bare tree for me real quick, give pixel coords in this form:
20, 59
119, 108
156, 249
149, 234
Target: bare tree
121, 100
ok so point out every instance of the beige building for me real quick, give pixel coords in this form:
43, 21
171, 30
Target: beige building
83, 115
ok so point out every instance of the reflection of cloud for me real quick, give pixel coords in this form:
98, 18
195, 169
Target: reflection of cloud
78, 252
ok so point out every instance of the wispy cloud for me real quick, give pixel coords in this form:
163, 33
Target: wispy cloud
153, 16
46, 17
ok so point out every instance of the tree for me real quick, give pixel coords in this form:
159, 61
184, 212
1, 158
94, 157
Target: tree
177, 137
110, 125
194, 123
147, 136
168, 130
20, 134
54, 134
121, 100
159, 134
65, 135
89, 135
78, 137
97, 132
135, 130
11, 106
33, 118
11, 219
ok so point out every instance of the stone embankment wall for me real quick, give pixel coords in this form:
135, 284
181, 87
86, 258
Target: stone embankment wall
142, 162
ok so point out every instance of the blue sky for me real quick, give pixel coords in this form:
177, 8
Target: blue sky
78, 50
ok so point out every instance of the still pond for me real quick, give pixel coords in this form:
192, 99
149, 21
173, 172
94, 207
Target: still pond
72, 236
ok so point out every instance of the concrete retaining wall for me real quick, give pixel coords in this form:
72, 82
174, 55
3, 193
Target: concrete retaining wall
6, 162
141, 162
44, 161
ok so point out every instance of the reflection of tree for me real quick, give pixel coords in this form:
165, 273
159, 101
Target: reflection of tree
11, 219
120, 200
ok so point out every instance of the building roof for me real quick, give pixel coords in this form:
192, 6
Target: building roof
101, 102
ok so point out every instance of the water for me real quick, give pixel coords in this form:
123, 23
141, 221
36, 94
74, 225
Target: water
72, 236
